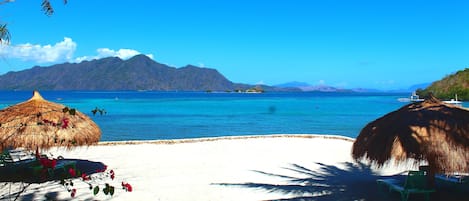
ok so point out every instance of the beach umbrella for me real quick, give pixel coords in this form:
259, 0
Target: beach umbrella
430, 131
40, 124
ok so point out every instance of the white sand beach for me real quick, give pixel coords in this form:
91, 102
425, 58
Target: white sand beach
276, 167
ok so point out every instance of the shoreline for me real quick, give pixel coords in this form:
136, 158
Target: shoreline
221, 138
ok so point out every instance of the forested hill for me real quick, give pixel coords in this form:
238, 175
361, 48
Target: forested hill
136, 73
446, 88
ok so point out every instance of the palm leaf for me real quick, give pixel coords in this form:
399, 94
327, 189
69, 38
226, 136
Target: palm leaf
47, 7
4, 34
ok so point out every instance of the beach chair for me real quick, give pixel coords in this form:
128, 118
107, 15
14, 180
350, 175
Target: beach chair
15, 157
18, 155
454, 178
415, 183
3, 156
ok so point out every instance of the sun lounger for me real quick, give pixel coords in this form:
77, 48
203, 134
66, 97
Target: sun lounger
455, 179
15, 156
415, 183
20, 155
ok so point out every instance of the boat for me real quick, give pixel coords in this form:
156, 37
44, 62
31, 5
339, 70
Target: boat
454, 101
413, 98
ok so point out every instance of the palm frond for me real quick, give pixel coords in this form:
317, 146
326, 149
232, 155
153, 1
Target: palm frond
4, 34
5, 1
47, 7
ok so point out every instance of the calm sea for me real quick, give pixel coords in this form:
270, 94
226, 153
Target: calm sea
132, 115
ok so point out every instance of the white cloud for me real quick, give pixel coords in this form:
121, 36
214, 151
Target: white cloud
59, 52
106, 52
322, 82
260, 83
122, 53
62, 51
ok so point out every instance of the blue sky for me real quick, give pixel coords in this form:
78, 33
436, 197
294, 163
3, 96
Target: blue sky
385, 44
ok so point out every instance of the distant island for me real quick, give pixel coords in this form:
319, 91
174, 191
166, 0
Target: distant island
137, 73
303, 86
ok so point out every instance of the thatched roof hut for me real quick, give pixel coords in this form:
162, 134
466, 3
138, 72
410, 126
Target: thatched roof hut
430, 130
40, 124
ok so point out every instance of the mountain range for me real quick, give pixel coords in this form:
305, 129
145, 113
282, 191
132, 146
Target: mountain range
137, 73
303, 86
142, 73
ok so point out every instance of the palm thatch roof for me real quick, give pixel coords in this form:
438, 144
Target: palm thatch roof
430, 130
40, 124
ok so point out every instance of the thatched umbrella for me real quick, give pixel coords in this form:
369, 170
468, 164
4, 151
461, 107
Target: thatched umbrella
429, 131
40, 124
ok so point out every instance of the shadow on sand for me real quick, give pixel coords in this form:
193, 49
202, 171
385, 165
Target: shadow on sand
18, 176
330, 183
21, 172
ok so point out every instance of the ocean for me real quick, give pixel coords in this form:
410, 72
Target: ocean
134, 115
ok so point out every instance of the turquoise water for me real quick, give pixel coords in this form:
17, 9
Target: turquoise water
176, 115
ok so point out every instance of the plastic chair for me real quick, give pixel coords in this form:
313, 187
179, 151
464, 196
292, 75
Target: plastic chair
415, 183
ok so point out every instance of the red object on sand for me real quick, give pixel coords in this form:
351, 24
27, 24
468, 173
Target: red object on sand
112, 174
74, 191
127, 187
85, 177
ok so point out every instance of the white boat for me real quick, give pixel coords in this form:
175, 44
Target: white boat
454, 101
413, 98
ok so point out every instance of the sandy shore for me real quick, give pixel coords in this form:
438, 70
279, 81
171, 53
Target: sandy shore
278, 167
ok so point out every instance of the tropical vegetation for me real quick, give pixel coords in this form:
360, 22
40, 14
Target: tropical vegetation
456, 84
5, 36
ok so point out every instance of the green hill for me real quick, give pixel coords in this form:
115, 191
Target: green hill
446, 88
112, 73
136, 73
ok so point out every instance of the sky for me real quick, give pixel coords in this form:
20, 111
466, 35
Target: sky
385, 44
